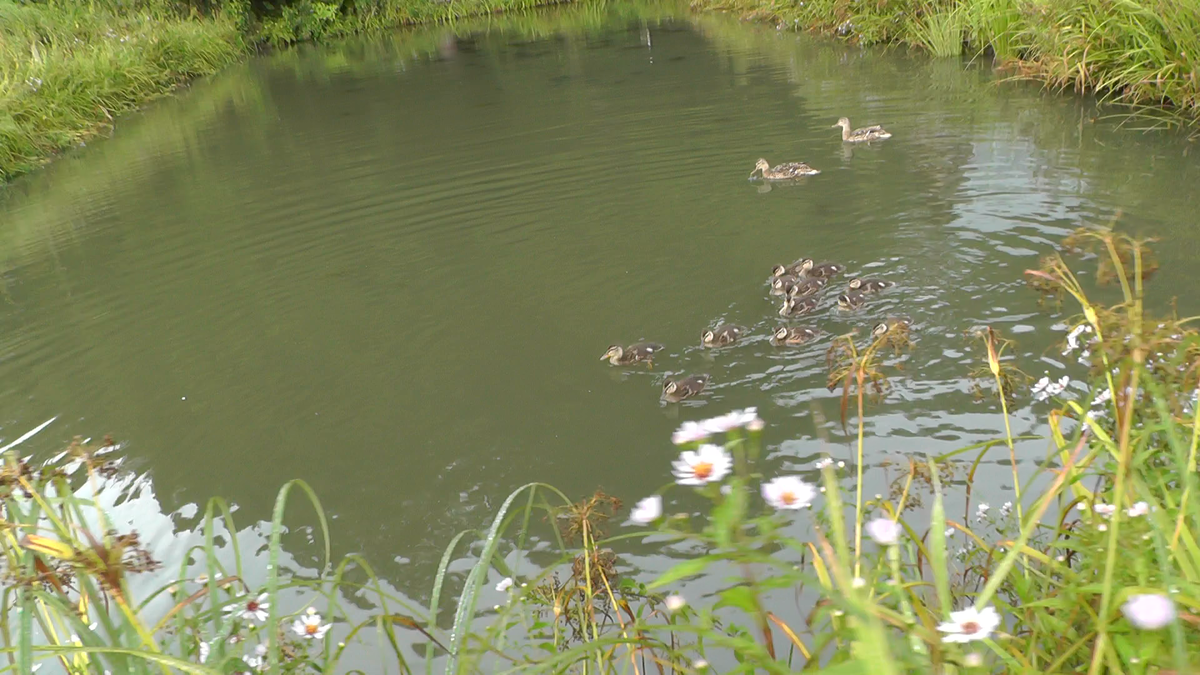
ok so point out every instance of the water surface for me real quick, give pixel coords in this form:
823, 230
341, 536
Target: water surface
389, 266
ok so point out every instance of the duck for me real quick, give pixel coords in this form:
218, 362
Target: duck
796, 335
678, 390
793, 306
851, 300
871, 133
637, 352
724, 334
788, 171
807, 286
870, 285
824, 270
781, 283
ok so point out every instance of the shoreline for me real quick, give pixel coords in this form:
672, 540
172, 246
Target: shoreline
1133, 54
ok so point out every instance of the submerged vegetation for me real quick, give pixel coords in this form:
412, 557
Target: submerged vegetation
1092, 565
1144, 52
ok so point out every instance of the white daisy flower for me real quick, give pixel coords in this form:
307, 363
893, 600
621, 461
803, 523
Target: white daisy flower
823, 462
1006, 508
788, 492
885, 531
699, 664
204, 649
973, 660
708, 464
858, 582
674, 603
970, 624
1105, 510
254, 609
1138, 509
981, 511
505, 584
1150, 611
755, 424
310, 627
259, 659
689, 432
647, 510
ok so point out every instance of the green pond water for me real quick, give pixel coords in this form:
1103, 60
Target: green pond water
390, 266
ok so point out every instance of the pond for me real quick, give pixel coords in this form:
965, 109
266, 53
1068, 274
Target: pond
389, 266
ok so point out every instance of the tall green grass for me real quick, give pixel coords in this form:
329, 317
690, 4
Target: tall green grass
68, 68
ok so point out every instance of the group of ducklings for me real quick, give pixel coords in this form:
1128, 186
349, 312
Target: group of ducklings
798, 283
794, 170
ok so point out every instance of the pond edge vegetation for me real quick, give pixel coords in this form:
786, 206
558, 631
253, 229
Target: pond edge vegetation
1140, 53
1092, 566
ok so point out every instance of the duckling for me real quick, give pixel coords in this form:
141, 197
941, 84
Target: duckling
725, 334
788, 171
781, 283
871, 133
677, 390
808, 286
870, 285
796, 335
796, 269
851, 300
634, 353
823, 270
795, 307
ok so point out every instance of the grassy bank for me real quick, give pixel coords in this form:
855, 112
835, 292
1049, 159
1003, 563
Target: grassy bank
67, 68
1092, 565
1144, 52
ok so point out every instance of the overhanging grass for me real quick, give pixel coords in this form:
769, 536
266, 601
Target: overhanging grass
67, 69
1144, 52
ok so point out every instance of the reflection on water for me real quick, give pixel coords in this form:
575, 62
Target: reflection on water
389, 266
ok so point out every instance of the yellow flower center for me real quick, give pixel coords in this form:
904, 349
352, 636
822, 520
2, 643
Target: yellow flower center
311, 628
788, 497
971, 628
702, 470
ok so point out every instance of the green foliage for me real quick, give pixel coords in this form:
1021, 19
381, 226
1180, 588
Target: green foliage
67, 69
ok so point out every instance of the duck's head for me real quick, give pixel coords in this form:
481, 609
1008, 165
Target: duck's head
707, 337
843, 123
806, 265
855, 284
781, 333
670, 387
879, 329
849, 300
788, 303
613, 352
760, 165
778, 271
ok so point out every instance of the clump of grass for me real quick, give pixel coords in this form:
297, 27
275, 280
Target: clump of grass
66, 69
941, 33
